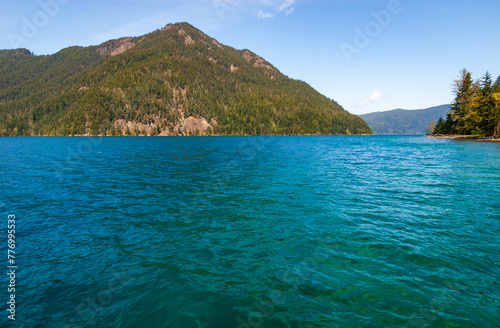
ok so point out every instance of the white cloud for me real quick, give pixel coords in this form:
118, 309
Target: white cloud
285, 6
375, 96
265, 14
279, 7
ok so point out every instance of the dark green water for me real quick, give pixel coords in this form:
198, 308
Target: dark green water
348, 231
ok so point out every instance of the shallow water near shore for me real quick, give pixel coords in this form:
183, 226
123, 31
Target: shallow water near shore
317, 231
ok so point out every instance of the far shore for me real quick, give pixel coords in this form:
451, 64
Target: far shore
465, 137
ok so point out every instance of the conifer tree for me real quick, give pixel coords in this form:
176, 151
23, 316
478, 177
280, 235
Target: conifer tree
486, 105
496, 109
464, 107
476, 108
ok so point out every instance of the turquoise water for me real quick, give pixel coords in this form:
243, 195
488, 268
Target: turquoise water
343, 231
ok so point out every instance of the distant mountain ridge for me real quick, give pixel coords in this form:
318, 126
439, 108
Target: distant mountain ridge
174, 81
404, 121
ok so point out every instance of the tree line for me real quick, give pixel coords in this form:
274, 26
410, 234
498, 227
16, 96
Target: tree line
476, 108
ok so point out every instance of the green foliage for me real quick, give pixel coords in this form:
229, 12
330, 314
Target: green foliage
476, 108
159, 81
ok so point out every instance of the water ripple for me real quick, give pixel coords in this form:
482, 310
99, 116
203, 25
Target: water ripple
254, 232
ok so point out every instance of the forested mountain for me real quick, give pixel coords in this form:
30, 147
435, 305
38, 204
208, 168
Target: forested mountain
401, 121
173, 81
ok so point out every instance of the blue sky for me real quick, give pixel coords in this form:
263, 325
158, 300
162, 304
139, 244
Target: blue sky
368, 55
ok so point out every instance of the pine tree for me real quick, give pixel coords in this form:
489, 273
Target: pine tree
486, 105
438, 129
464, 107
496, 110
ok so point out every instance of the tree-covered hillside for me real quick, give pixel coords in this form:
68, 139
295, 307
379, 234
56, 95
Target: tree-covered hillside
173, 81
401, 121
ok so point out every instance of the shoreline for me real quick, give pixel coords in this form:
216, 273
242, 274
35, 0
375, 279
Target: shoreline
462, 137
190, 136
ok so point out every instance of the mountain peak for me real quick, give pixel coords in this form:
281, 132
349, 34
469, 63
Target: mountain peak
173, 81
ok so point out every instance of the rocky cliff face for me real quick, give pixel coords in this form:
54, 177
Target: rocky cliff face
185, 126
114, 48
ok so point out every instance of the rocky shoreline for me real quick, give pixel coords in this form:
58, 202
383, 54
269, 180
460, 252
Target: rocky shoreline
460, 137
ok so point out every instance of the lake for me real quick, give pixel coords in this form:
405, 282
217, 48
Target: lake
316, 231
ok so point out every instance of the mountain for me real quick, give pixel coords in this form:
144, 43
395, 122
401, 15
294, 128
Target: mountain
402, 121
173, 81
